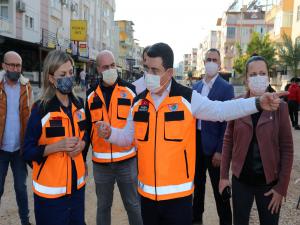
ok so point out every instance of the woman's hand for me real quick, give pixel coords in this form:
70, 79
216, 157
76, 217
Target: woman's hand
223, 184
276, 201
67, 144
77, 149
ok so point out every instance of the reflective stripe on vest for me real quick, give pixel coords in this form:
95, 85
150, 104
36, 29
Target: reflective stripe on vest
165, 190
113, 155
80, 180
49, 190
54, 190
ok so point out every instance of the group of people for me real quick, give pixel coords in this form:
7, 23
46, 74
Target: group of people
155, 138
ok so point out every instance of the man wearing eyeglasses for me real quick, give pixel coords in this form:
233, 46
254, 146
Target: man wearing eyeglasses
15, 103
209, 140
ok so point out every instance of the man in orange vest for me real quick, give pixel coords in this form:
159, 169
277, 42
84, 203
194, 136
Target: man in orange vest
110, 101
162, 123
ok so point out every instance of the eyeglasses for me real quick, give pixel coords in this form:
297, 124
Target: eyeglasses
210, 59
12, 66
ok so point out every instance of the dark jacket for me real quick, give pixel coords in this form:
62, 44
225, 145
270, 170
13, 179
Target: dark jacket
275, 142
212, 133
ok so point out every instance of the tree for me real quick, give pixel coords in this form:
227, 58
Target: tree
240, 61
260, 45
263, 46
289, 53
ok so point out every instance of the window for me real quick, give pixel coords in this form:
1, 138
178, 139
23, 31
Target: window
298, 13
231, 32
4, 9
29, 22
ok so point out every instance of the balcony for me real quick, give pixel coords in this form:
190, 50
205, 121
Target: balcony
6, 27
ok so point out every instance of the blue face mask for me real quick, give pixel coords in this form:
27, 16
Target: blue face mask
65, 85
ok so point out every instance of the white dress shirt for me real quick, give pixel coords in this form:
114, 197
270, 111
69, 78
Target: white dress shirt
207, 86
201, 107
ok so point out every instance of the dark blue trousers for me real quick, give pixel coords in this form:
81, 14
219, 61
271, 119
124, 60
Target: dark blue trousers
67, 210
168, 212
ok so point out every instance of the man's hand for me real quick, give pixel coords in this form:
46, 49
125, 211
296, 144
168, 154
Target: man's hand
275, 203
104, 130
270, 101
216, 159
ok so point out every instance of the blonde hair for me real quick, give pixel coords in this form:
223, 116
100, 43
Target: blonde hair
52, 62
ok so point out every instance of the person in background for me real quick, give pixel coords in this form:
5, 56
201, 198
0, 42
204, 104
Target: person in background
260, 150
139, 84
209, 141
110, 101
83, 79
294, 101
55, 139
15, 104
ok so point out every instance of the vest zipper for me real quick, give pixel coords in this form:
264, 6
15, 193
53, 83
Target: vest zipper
155, 157
186, 164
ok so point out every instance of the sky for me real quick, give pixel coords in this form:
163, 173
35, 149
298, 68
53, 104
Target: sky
180, 23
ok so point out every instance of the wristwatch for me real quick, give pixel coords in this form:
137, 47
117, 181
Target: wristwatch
257, 104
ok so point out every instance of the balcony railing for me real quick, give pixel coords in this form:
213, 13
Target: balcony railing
49, 40
6, 26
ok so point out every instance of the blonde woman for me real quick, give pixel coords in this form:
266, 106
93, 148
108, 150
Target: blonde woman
54, 142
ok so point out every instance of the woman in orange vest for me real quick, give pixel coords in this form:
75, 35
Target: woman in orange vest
54, 142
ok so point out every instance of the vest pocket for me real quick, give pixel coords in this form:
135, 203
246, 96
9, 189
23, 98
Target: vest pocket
173, 127
40, 169
186, 164
123, 108
96, 115
141, 125
55, 132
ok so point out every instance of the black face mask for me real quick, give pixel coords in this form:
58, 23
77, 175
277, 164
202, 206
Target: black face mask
13, 76
65, 85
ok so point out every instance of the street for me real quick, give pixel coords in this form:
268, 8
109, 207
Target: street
289, 214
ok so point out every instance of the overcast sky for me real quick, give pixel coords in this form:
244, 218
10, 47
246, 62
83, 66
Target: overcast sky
180, 23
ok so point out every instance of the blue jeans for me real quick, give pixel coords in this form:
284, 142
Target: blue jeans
125, 173
66, 210
19, 169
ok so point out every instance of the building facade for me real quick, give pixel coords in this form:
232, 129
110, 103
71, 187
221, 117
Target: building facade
35, 27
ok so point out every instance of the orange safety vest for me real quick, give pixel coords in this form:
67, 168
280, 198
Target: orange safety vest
53, 177
166, 142
119, 108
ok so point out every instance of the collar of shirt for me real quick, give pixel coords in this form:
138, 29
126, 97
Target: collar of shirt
159, 98
6, 85
211, 82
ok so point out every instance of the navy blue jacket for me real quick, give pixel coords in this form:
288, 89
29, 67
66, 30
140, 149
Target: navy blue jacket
212, 133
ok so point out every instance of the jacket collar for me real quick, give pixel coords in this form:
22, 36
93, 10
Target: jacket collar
265, 117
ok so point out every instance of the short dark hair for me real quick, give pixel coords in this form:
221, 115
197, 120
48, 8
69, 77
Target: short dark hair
146, 50
164, 51
256, 58
213, 50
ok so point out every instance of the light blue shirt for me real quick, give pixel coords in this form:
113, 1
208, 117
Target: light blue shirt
11, 136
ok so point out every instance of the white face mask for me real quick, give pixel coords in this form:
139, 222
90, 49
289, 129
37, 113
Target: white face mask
258, 84
211, 69
110, 76
152, 82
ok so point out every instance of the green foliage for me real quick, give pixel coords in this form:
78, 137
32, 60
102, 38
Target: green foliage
260, 45
289, 54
